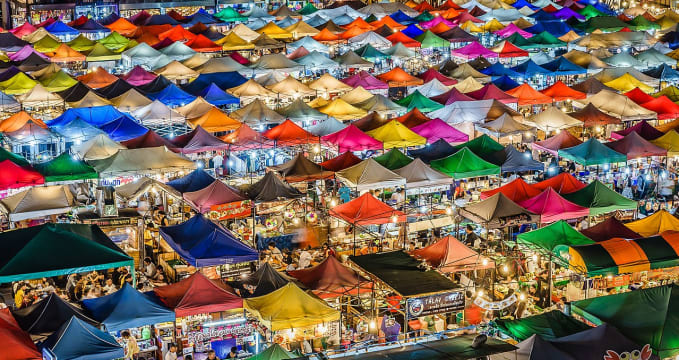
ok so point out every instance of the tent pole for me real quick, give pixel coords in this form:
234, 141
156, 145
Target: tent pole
549, 292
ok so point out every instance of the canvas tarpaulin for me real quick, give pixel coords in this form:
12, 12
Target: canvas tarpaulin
497, 210
187, 297
592, 152
366, 210
369, 174
217, 193
451, 255
600, 199
549, 325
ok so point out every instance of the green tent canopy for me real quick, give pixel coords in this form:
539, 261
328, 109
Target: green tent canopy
393, 159
672, 93
430, 40
418, 101
229, 14
590, 11
274, 352
58, 81
61, 248
603, 23
114, 41
424, 16
369, 52
554, 238
46, 45
600, 199
308, 9
592, 152
549, 326
646, 316
102, 53
15, 158
81, 43
544, 40
65, 168
482, 146
518, 40
643, 24
465, 164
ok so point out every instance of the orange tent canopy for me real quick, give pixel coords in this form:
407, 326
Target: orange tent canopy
149, 38
399, 37
439, 28
202, 44
529, 96
398, 77
387, 20
351, 32
244, 138
123, 27
450, 5
18, 120
177, 33
156, 29
97, 78
325, 35
563, 183
424, 6
560, 92
449, 14
366, 210
450, 255
215, 120
65, 53
360, 23
288, 133
413, 118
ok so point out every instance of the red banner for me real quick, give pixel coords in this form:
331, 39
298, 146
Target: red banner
234, 210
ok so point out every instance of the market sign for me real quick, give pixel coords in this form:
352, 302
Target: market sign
236, 331
435, 304
233, 210
121, 221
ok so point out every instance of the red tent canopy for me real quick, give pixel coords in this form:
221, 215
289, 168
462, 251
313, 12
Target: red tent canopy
508, 50
451, 96
450, 5
198, 295
16, 344
560, 92
517, 190
198, 140
177, 33
432, 74
638, 96
490, 91
288, 133
644, 129
331, 278
634, 146
423, 6
608, 229
366, 210
562, 140
450, 255
341, 162
13, 176
413, 118
399, 37
244, 138
148, 140
590, 115
563, 183
529, 96
217, 193
666, 108
202, 44
552, 207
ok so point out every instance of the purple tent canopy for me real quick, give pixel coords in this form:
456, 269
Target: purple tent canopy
216, 193
510, 29
435, 21
472, 51
198, 140
566, 13
352, 138
643, 128
138, 76
436, 129
25, 52
367, 81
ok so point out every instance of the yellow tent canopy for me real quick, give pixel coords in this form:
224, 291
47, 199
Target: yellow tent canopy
215, 120
195, 108
301, 29
627, 82
669, 142
274, 311
89, 100
274, 31
342, 110
327, 84
244, 32
469, 26
492, 25
17, 84
396, 135
233, 42
468, 85
655, 224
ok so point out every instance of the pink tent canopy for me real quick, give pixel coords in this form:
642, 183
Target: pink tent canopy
490, 91
552, 207
23, 30
435, 21
432, 74
562, 140
451, 96
643, 128
216, 193
367, 81
25, 52
436, 129
511, 29
472, 51
138, 76
352, 138
198, 140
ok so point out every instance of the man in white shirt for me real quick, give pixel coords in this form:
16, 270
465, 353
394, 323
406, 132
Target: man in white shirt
171, 353
304, 259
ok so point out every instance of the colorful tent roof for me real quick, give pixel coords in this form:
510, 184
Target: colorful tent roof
187, 297
634, 146
217, 193
592, 152
608, 229
79, 340
643, 128
562, 140
450, 255
563, 183
366, 210
395, 134
550, 325
517, 190
437, 129
600, 199
465, 164
66, 168
15, 176
341, 162
352, 138
493, 211
300, 168
654, 224
552, 207
329, 278
369, 174
393, 159
271, 188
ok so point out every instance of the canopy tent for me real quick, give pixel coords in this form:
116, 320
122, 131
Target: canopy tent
465, 164
664, 107
99, 147
617, 105
669, 142
419, 176
46, 315
66, 248
149, 140
198, 140
217, 193
16, 342
37, 201
549, 325
552, 119
600, 199
288, 133
275, 351
264, 281
416, 100
330, 278
142, 160
187, 297
591, 116
326, 127
654, 224
494, 211
436, 129
271, 311
592, 152
65, 168
202, 243
512, 160
450, 255
505, 125
563, 183
352, 138
341, 162
369, 174
394, 134
608, 229
517, 190
215, 120
300, 168
79, 340
16, 177
393, 159
271, 188
366, 210
193, 181
127, 308
562, 140
634, 146
482, 145
552, 207
643, 128
553, 239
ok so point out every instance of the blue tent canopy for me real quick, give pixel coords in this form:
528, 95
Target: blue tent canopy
412, 31
518, 4
201, 242
308, 43
194, 181
216, 96
497, 70
172, 96
123, 128
663, 72
505, 83
97, 116
672, 39
556, 28
161, 20
225, 80
201, 17
78, 340
59, 28
542, 15
127, 308
77, 129
435, 151
529, 69
563, 66
403, 18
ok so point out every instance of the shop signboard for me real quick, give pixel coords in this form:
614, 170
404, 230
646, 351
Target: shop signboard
233, 210
436, 304
122, 221
228, 331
